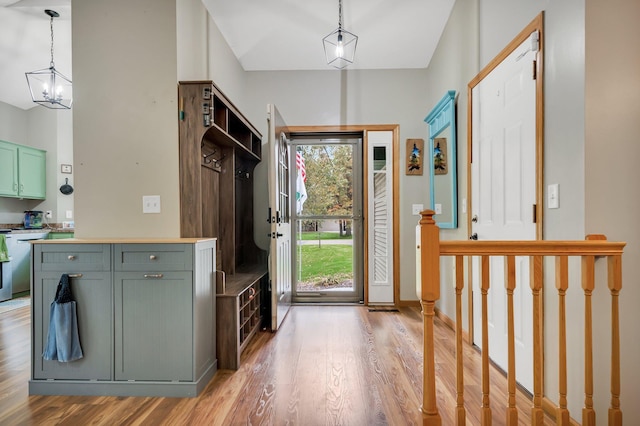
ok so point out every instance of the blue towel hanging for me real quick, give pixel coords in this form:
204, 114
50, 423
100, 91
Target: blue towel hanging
63, 340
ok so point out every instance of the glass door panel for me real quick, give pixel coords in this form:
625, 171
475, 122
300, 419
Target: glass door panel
327, 220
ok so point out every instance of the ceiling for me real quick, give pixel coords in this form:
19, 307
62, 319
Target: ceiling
263, 34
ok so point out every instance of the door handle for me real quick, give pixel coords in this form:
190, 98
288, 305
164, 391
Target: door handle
474, 236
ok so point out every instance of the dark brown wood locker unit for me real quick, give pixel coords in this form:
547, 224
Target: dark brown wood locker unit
219, 149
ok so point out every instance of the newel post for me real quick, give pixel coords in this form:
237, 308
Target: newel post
430, 292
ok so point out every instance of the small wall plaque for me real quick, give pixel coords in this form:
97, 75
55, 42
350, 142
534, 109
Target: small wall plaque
415, 154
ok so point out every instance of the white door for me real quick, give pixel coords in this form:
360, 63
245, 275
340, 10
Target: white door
503, 174
279, 216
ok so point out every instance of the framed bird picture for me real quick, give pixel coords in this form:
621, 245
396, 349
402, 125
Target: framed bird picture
415, 155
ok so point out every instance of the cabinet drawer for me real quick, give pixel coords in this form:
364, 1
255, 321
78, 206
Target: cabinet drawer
153, 257
71, 258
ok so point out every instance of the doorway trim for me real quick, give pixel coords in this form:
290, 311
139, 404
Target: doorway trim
395, 129
537, 24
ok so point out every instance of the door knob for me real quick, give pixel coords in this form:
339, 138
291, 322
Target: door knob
474, 236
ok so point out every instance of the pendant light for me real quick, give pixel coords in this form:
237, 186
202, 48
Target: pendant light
340, 45
48, 87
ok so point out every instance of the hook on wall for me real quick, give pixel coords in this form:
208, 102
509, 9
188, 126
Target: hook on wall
243, 173
208, 158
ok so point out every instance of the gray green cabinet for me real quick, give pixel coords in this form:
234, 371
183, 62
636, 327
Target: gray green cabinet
159, 307
146, 315
90, 268
23, 171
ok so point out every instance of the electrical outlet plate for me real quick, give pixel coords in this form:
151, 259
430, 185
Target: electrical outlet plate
553, 196
416, 209
150, 204
48, 214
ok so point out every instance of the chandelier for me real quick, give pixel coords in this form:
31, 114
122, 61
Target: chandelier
340, 45
48, 87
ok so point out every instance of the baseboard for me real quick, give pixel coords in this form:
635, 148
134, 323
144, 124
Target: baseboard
550, 409
450, 323
408, 304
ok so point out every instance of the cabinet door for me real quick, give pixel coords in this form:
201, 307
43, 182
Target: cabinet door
8, 169
154, 326
93, 294
32, 171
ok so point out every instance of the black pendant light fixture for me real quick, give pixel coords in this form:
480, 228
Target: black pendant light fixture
48, 86
340, 45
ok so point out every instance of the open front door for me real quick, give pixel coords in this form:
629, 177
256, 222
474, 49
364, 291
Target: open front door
279, 217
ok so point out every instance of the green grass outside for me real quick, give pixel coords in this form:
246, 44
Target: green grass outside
324, 236
326, 261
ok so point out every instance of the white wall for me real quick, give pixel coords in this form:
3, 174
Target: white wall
125, 117
353, 97
191, 27
612, 152
454, 64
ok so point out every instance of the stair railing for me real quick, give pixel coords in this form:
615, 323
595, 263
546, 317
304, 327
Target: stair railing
595, 246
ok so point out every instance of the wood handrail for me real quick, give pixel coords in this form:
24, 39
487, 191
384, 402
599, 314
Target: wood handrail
594, 246
531, 248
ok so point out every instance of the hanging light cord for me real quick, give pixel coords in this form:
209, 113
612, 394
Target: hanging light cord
339, 15
51, 64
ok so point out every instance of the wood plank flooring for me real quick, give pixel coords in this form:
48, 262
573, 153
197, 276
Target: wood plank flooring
328, 365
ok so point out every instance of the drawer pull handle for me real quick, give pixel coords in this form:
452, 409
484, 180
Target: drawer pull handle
75, 275
152, 257
71, 257
153, 275
252, 293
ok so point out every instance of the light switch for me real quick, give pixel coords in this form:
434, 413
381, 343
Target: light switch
416, 209
553, 196
150, 204
438, 208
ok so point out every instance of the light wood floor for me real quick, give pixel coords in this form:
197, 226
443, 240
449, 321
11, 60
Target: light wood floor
328, 365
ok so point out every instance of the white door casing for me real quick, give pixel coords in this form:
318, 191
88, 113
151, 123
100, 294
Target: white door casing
279, 216
503, 193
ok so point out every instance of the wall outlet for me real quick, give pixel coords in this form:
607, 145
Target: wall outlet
150, 204
416, 209
438, 208
48, 214
68, 214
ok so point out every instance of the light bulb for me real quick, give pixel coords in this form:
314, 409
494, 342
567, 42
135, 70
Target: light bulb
340, 46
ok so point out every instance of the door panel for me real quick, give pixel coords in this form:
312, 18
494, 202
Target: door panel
279, 207
503, 176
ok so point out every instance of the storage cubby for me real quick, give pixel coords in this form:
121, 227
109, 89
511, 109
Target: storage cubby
241, 312
219, 150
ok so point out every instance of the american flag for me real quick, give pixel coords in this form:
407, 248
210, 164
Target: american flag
300, 166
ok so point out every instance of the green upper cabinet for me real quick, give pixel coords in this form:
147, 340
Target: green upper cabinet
8, 169
22, 171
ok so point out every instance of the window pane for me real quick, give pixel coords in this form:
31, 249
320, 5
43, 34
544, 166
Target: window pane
324, 180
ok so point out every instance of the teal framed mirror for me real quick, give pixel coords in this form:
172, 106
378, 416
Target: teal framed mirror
442, 160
